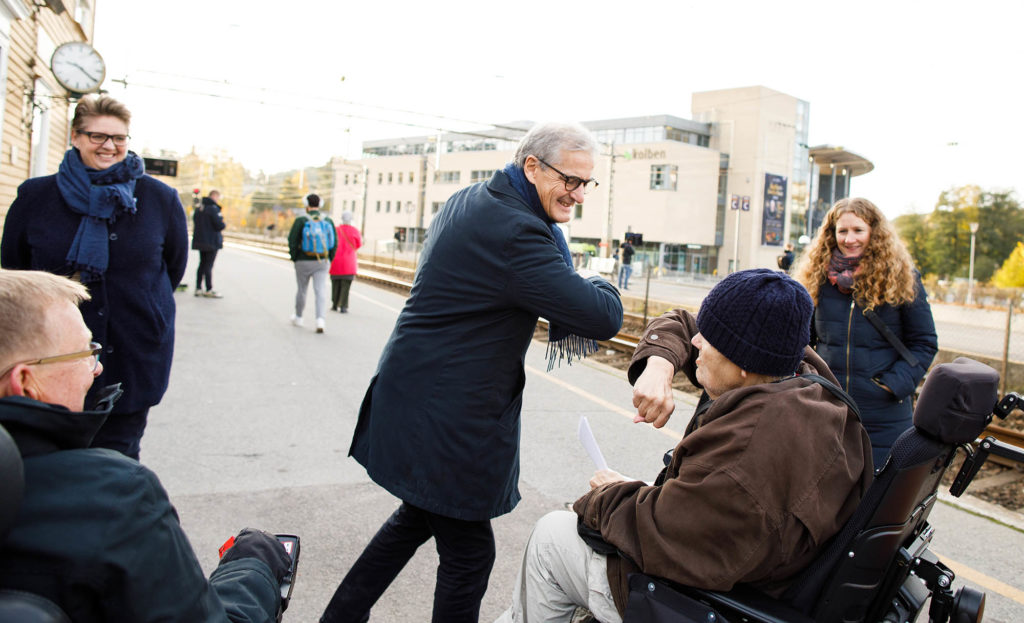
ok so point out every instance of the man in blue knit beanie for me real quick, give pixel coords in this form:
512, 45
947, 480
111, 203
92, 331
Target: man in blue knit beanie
773, 463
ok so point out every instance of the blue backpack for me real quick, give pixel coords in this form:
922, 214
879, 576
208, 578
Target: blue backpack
317, 237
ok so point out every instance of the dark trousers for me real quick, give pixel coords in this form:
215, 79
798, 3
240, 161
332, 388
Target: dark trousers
205, 269
466, 551
122, 432
340, 285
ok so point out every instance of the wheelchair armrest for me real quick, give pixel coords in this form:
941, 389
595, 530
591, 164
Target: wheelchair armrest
29, 608
741, 603
753, 604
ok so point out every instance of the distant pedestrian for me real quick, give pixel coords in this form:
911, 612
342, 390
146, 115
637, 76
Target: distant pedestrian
312, 243
786, 259
345, 264
208, 222
626, 267
106, 224
439, 425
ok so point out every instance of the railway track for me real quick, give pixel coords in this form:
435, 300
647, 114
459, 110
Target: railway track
400, 279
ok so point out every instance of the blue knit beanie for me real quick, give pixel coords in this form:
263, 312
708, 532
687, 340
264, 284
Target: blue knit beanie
759, 319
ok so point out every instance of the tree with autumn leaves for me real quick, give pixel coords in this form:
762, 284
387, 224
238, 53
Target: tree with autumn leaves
940, 241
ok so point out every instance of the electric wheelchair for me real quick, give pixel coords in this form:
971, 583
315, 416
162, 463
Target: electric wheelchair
878, 568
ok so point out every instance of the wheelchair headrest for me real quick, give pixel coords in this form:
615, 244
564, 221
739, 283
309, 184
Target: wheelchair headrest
12, 484
957, 400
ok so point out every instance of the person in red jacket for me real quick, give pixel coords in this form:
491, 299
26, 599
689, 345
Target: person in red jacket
345, 265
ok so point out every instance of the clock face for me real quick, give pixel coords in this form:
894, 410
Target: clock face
78, 67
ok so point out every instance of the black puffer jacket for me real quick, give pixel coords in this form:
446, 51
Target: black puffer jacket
96, 534
861, 358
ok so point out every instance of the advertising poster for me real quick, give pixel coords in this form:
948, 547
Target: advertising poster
773, 221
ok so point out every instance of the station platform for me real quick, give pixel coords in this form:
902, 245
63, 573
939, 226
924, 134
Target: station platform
255, 428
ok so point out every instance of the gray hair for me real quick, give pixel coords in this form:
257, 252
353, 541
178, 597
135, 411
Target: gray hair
25, 297
546, 141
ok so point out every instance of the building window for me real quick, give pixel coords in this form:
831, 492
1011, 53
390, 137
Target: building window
380, 178
390, 177
410, 177
480, 176
578, 213
346, 179
387, 207
446, 177
378, 206
436, 206
664, 176
399, 177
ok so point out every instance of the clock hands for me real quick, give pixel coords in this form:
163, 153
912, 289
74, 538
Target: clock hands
83, 70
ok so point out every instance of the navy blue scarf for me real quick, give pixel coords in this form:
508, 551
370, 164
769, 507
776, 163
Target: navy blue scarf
99, 196
562, 344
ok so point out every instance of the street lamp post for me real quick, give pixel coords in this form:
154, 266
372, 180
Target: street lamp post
970, 271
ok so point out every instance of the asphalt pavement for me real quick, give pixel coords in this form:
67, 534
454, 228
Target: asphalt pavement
255, 428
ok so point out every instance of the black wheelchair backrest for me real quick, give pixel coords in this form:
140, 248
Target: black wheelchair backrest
859, 568
957, 401
18, 605
12, 483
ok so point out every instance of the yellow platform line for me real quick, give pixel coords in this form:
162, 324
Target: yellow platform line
988, 583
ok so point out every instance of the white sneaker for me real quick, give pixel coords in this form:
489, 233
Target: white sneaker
296, 320
320, 325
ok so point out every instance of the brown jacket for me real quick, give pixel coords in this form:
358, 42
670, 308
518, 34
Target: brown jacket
763, 477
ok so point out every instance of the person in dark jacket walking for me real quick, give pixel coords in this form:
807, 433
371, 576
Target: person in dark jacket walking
772, 464
439, 425
858, 266
626, 268
208, 223
103, 222
95, 532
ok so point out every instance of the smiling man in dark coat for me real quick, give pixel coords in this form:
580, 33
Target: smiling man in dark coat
439, 426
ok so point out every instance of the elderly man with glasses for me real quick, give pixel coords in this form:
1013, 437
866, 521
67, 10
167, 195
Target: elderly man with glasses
95, 532
439, 425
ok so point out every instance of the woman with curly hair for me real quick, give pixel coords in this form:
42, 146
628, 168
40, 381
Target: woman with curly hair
856, 267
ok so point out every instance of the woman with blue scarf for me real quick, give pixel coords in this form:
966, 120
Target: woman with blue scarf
439, 425
101, 221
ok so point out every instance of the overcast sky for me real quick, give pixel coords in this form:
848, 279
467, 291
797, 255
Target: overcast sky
929, 92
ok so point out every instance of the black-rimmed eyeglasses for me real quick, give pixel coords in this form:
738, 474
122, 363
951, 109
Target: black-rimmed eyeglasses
572, 182
98, 138
94, 351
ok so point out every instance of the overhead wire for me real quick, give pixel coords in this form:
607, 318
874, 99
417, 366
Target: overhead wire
350, 115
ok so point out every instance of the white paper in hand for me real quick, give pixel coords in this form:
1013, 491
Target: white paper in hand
590, 444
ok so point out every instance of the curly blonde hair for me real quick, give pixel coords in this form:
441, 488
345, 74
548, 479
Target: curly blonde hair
886, 273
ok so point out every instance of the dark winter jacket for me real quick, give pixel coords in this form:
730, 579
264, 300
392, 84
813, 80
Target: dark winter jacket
96, 534
132, 307
863, 360
295, 238
439, 425
207, 222
764, 476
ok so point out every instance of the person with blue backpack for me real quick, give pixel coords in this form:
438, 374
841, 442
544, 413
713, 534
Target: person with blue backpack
312, 244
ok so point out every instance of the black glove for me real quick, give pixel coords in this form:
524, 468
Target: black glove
262, 546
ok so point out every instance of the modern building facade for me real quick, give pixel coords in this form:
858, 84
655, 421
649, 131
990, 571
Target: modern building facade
718, 193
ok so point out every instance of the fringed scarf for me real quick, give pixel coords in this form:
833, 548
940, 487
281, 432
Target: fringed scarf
562, 344
99, 196
842, 271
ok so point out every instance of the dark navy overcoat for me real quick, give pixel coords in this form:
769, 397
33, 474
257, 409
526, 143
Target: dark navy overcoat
439, 425
859, 355
131, 312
